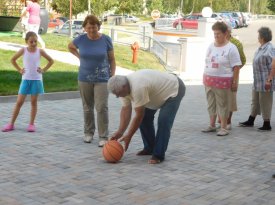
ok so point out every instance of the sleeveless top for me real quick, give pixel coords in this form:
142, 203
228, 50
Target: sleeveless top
31, 62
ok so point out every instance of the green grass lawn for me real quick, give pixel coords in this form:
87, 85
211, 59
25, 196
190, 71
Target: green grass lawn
123, 53
62, 76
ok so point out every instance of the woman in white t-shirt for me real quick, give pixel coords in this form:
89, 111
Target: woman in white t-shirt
221, 73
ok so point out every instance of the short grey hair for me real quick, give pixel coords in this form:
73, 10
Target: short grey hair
116, 82
265, 33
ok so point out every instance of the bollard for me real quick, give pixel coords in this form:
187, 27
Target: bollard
135, 48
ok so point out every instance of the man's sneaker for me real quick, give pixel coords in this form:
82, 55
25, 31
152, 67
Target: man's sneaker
209, 129
88, 138
8, 128
222, 132
31, 128
101, 143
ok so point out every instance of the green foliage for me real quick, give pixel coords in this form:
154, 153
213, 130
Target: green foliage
63, 7
271, 6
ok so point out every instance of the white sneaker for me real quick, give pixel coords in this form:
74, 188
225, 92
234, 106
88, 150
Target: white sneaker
88, 138
101, 143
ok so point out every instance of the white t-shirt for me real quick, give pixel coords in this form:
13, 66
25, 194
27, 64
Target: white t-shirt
151, 88
220, 61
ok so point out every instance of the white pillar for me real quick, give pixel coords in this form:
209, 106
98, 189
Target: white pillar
205, 28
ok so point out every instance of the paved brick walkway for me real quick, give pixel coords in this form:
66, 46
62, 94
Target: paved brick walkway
54, 166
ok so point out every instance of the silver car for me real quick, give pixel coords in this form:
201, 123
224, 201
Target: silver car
77, 28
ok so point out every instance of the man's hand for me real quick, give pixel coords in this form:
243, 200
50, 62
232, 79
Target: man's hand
116, 135
127, 140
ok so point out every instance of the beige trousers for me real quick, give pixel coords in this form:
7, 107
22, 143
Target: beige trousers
262, 103
95, 95
219, 101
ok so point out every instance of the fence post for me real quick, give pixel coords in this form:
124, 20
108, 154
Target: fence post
113, 34
143, 33
183, 50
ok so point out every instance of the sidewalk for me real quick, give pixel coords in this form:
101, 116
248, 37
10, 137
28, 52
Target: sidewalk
54, 167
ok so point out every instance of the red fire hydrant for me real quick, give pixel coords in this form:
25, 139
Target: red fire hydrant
135, 48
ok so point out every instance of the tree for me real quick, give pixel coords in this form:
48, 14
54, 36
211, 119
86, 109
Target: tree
63, 7
271, 5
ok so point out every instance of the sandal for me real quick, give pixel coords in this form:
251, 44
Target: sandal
8, 128
155, 160
143, 152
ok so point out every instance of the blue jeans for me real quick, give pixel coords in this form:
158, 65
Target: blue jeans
157, 143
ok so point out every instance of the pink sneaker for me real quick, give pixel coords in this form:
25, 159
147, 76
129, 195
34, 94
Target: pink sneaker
31, 128
8, 128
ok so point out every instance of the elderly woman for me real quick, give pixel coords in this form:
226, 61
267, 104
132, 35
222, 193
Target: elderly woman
262, 90
97, 64
221, 74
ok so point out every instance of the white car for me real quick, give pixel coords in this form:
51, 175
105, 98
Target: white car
77, 28
131, 19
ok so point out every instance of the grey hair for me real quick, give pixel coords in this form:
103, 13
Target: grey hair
265, 33
117, 82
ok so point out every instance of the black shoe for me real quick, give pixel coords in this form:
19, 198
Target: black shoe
246, 124
264, 128
273, 175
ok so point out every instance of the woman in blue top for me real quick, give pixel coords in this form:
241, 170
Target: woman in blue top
97, 64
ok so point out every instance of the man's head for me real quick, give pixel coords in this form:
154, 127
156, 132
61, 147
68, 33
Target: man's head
119, 85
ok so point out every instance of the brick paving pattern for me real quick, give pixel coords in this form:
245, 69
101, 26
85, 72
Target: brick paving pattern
53, 166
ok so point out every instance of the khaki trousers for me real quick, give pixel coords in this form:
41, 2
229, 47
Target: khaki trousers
219, 101
95, 95
262, 103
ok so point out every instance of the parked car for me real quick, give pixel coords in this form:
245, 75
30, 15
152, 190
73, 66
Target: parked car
188, 22
53, 23
239, 20
77, 28
229, 19
129, 18
62, 18
247, 18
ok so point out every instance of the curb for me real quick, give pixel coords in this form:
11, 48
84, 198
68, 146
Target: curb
44, 97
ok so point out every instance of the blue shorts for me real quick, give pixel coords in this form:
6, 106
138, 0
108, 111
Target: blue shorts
31, 87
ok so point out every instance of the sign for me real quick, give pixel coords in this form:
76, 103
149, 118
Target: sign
155, 14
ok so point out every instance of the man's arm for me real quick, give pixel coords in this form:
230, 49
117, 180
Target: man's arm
125, 117
139, 114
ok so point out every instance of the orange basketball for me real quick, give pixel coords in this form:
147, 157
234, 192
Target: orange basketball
112, 151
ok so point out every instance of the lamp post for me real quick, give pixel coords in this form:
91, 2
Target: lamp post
89, 6
70, 28
181, 6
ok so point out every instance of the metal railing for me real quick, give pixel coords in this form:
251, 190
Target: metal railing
163, 51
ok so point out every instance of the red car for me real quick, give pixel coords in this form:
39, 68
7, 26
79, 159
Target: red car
53, 23
188, 22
